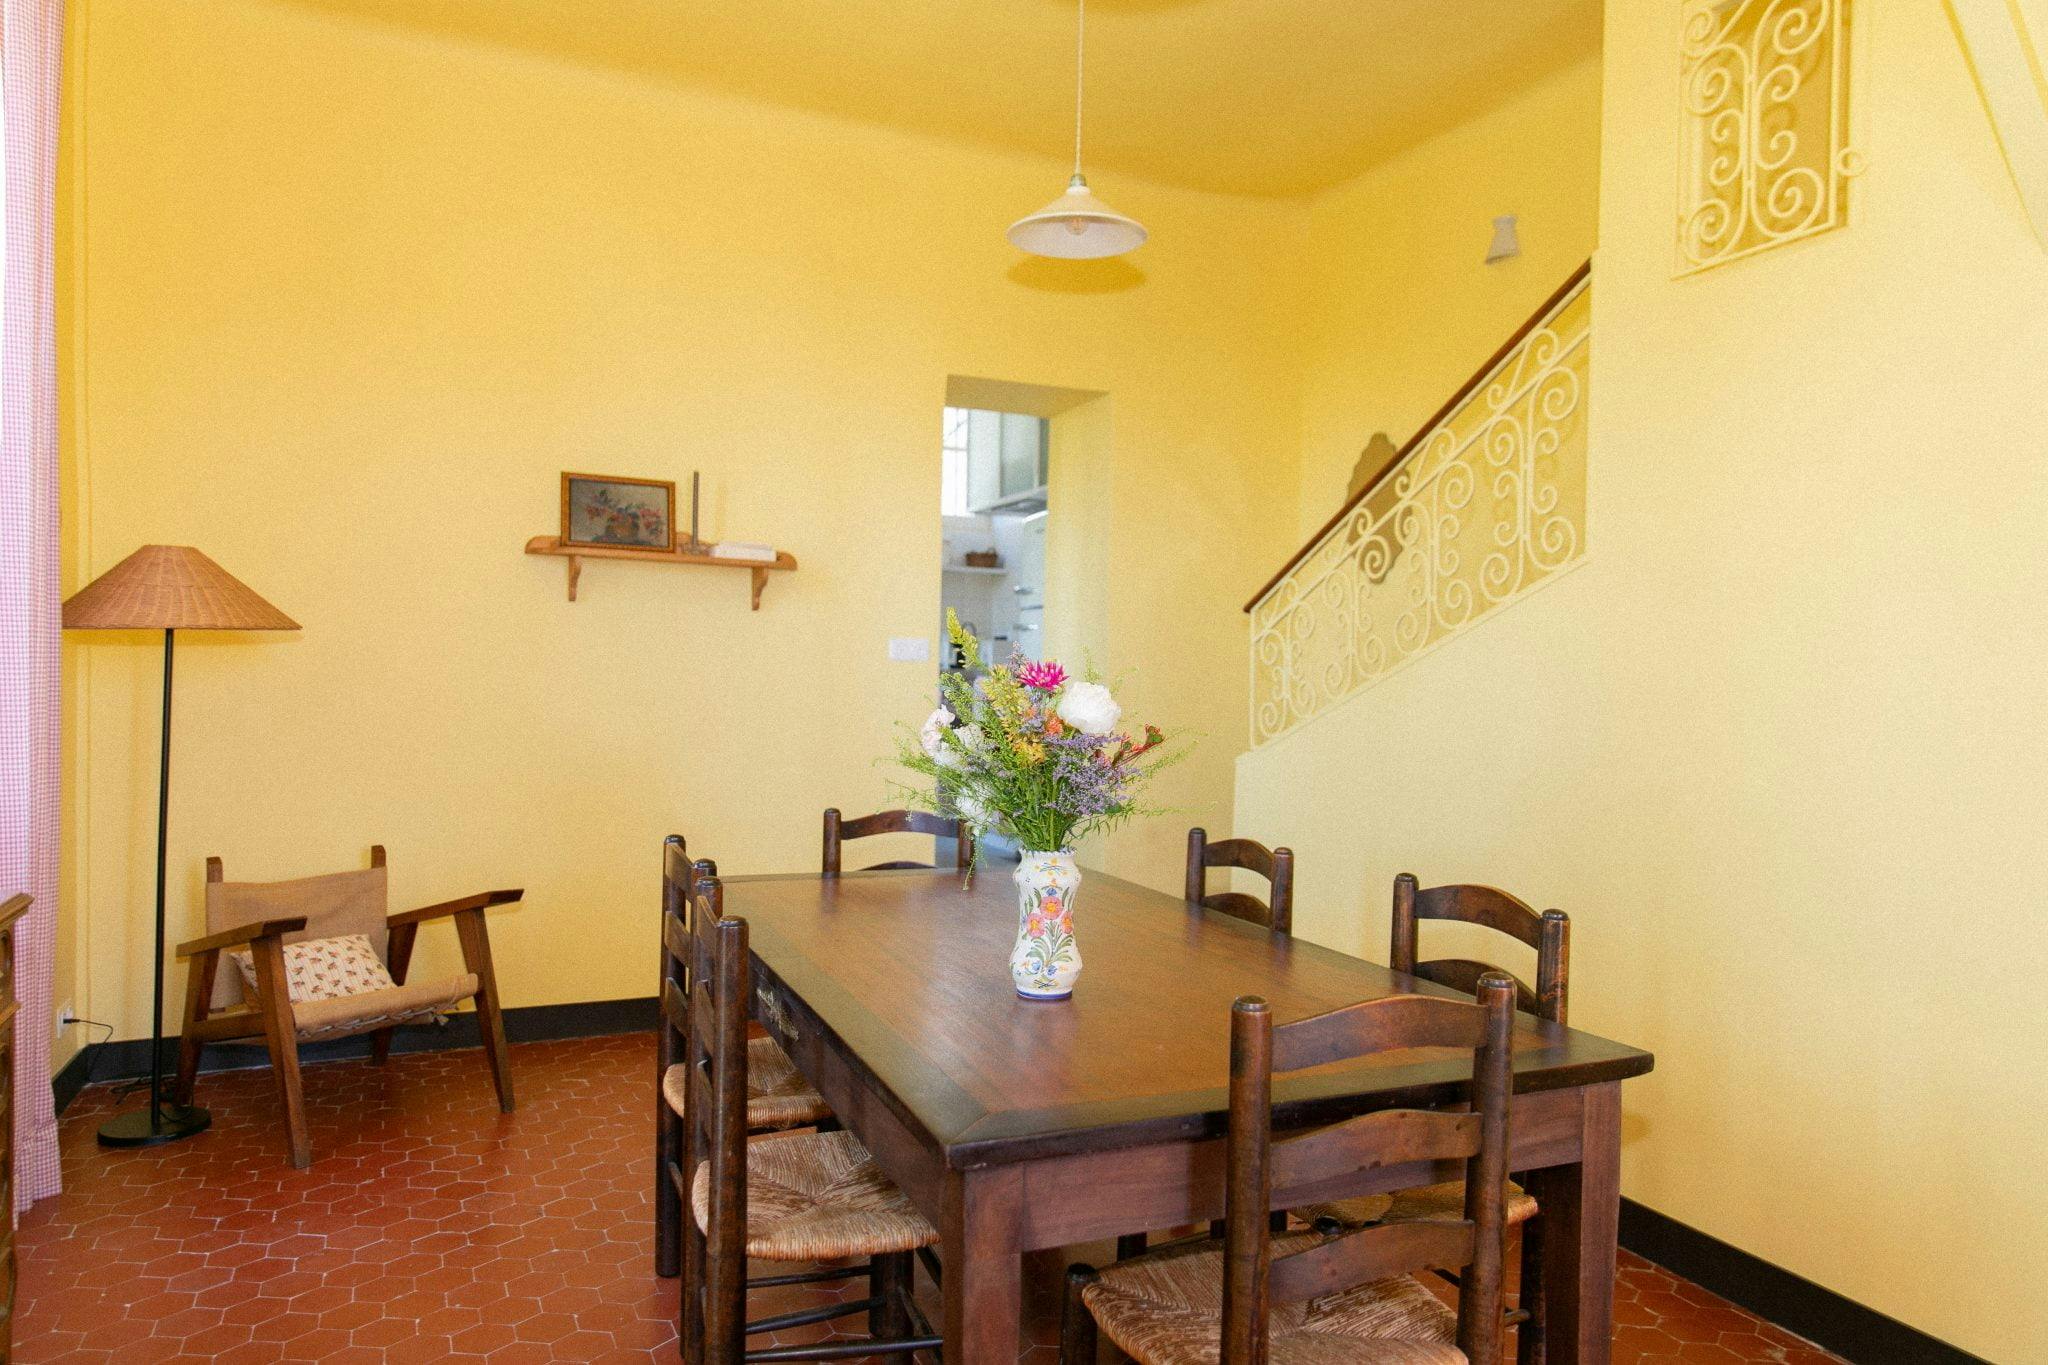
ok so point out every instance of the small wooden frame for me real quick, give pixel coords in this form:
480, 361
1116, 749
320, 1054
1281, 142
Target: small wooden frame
576, 554
629, 515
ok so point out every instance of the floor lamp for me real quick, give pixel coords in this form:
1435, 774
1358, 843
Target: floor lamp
168, 588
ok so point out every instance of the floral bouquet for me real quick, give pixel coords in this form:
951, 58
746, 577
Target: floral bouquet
1037, 755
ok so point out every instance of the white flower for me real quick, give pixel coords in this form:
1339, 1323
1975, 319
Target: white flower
932, 735
970, 737
1089, 708
974, 812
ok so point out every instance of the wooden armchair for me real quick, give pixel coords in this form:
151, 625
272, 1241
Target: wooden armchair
264, 919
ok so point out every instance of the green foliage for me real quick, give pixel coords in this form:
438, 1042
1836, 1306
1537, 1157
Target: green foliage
999, 756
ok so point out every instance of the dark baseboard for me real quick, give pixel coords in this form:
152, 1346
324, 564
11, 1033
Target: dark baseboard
66, 1084
129, 1058
1819, 1314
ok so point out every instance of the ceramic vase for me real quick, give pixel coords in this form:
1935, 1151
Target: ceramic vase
1046, 960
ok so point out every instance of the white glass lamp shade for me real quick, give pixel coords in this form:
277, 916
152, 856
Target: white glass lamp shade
1077, 227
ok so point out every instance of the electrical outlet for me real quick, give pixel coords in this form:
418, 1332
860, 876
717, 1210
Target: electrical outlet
66, 1016
909, 649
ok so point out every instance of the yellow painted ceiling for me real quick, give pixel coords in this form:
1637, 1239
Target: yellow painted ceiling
1250, 96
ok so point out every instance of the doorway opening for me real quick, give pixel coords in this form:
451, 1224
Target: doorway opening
1020, 466
995, 501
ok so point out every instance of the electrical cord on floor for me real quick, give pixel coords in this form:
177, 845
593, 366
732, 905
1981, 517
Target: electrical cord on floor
126, 1088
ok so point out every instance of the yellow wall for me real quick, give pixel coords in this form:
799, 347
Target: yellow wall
1776, 743
1401, 307
344, 303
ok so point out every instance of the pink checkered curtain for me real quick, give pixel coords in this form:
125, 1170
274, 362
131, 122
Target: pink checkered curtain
31, 42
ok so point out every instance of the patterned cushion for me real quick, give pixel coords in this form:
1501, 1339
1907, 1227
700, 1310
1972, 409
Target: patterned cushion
778, 1096
816, 1197
1443, 1203
324, 968
1166, 1308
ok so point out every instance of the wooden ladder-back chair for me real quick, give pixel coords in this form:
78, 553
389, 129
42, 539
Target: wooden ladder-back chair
1276, 865
1345, 1293
839, 830
778, 1096
1549, 933
336, 991
1276, 913
802, 1197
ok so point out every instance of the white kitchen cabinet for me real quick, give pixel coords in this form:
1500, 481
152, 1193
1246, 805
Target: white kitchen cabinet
1006, 462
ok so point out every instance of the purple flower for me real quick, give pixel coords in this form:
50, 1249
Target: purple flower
1087, 784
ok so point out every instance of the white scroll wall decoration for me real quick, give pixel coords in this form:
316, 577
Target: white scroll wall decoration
1765, 158
1486, 505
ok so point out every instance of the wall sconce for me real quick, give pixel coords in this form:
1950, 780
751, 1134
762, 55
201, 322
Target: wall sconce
1506, 242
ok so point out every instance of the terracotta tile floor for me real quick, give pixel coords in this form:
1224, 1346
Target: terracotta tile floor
432, 1228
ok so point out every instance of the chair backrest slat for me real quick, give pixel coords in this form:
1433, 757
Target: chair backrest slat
675, 937
838, 830
703, 1012
1391, 1137
1249, 854
1260, 1171
1239, 905
1487, 905
1276, 865
1371, 1254
1463, 974
675, 870
1393, 1021
1549, 933
673, 1010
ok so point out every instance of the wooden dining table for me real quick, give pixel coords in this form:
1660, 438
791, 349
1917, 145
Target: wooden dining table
1018, 1126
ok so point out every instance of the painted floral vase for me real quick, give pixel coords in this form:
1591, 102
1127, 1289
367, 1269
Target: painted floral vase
1046, 961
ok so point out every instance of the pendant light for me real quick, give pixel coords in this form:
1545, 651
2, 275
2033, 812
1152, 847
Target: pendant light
1077, 226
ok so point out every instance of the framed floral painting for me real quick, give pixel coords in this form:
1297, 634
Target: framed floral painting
618, 513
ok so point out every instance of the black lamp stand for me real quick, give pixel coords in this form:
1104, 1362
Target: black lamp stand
160, 1122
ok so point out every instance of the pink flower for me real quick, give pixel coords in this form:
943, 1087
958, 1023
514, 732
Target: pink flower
1043, 677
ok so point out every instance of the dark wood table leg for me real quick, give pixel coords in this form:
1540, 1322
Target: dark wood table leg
984, 1283
1580, 1224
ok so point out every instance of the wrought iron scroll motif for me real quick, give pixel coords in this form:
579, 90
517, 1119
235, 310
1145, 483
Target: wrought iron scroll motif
1765, 158
1486, 505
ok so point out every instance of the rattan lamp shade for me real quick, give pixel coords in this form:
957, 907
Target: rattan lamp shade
170, 587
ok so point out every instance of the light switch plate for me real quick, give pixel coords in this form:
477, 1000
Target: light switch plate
909, 649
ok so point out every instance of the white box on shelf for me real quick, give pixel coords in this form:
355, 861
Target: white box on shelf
743, 549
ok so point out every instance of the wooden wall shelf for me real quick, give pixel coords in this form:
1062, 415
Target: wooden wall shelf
576, 554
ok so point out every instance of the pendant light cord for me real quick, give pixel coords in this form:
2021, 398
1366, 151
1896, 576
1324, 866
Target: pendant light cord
1080, 51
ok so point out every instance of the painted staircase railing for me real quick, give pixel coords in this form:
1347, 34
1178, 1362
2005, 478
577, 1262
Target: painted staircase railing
1487, 502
